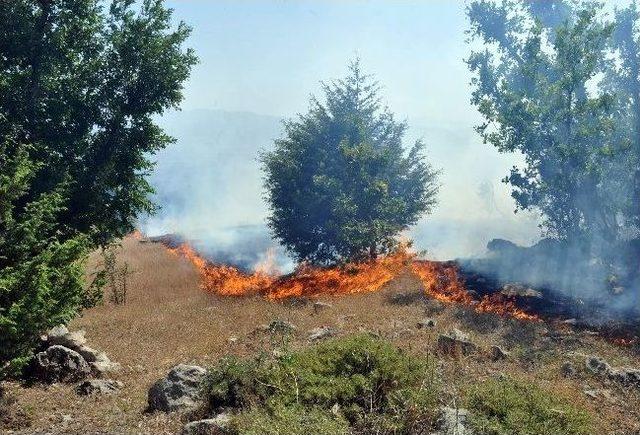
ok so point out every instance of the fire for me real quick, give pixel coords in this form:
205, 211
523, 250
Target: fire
442, 282
351, 278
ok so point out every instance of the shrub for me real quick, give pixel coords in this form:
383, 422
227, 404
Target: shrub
293, 420
511, 407
374, 385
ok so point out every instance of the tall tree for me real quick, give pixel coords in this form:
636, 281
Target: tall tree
535, 82
340, 184
82, 83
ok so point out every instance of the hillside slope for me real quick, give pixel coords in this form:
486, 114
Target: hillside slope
168, 320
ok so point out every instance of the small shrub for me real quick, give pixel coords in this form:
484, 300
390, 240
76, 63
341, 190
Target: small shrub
510, 407
291, 420
371, 383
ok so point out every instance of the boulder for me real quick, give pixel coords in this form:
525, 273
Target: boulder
59, 364
101, 368
99, 386
179, 390
426, 323
456, 343
623, 375
453, 421
568, 370
73, 340
497, 353
517, 289
321, 332
91, 355
209, 426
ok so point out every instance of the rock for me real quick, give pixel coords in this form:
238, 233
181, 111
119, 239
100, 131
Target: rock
497, 353
625, 375
232, 340
179, 390
321, 332
59, 364
281, 326
91, 355
72, 340
209, 426
453, 421
426, 323
100, 368
568, 370
56, 331
516, 289
99, 386
456, 342
319, 306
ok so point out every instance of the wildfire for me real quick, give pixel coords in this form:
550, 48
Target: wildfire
441, 280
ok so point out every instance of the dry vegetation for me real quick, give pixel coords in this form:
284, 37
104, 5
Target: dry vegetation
167, 320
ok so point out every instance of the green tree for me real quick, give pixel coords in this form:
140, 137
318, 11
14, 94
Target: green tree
81, 82
535, 81
340, 184
80, 85
41, 278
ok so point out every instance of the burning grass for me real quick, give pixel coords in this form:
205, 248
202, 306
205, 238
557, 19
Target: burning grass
441, 281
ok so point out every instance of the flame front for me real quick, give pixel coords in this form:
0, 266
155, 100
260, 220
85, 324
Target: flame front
441, 281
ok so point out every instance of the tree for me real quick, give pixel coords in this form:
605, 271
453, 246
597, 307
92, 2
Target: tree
82, 83
339, 183
41, 280
536, 85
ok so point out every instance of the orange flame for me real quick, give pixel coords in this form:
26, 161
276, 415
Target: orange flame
442, 282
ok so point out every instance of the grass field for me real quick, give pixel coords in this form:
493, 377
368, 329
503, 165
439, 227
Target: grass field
168, 320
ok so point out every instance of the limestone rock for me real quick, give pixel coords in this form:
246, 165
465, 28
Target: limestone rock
179, 390
455, 343
72, 340
99, 386
209, 426
497, 353
320, 306
281, 326
321, 332
426, 323
453, 421
59, 364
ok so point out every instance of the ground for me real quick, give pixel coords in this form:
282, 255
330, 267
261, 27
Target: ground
168, 319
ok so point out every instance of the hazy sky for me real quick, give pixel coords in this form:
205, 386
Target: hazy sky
268, 56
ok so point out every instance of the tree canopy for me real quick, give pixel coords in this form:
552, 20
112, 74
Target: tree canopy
340, 184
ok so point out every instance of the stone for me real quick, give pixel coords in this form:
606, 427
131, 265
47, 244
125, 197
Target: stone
623, 375
497, 353
179, 390
568, 370
99, 386
209, 426
426, 323
281, 326
453, 421
100, 368
455, 343
91, 355
320, 306
321, 332
59, 364
72, 340
516, 289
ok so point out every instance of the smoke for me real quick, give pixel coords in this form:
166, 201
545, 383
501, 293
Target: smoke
209, 188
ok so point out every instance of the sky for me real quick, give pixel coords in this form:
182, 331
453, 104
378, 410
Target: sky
266, 57
259, 63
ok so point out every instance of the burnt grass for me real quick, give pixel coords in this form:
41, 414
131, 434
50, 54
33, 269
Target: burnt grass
169, 320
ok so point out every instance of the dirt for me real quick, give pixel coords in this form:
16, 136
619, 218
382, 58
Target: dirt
168, 319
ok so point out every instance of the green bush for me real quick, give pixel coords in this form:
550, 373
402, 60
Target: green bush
292, 420
367, 381
510, 407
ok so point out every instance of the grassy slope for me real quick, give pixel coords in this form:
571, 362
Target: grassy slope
168, 320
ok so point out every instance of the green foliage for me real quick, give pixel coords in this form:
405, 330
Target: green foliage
536, 85
292, 420
511, 407
82, 82
40, 277
340, 184
375, 387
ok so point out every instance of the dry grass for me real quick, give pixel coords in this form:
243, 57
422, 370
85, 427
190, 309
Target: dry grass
168, 320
